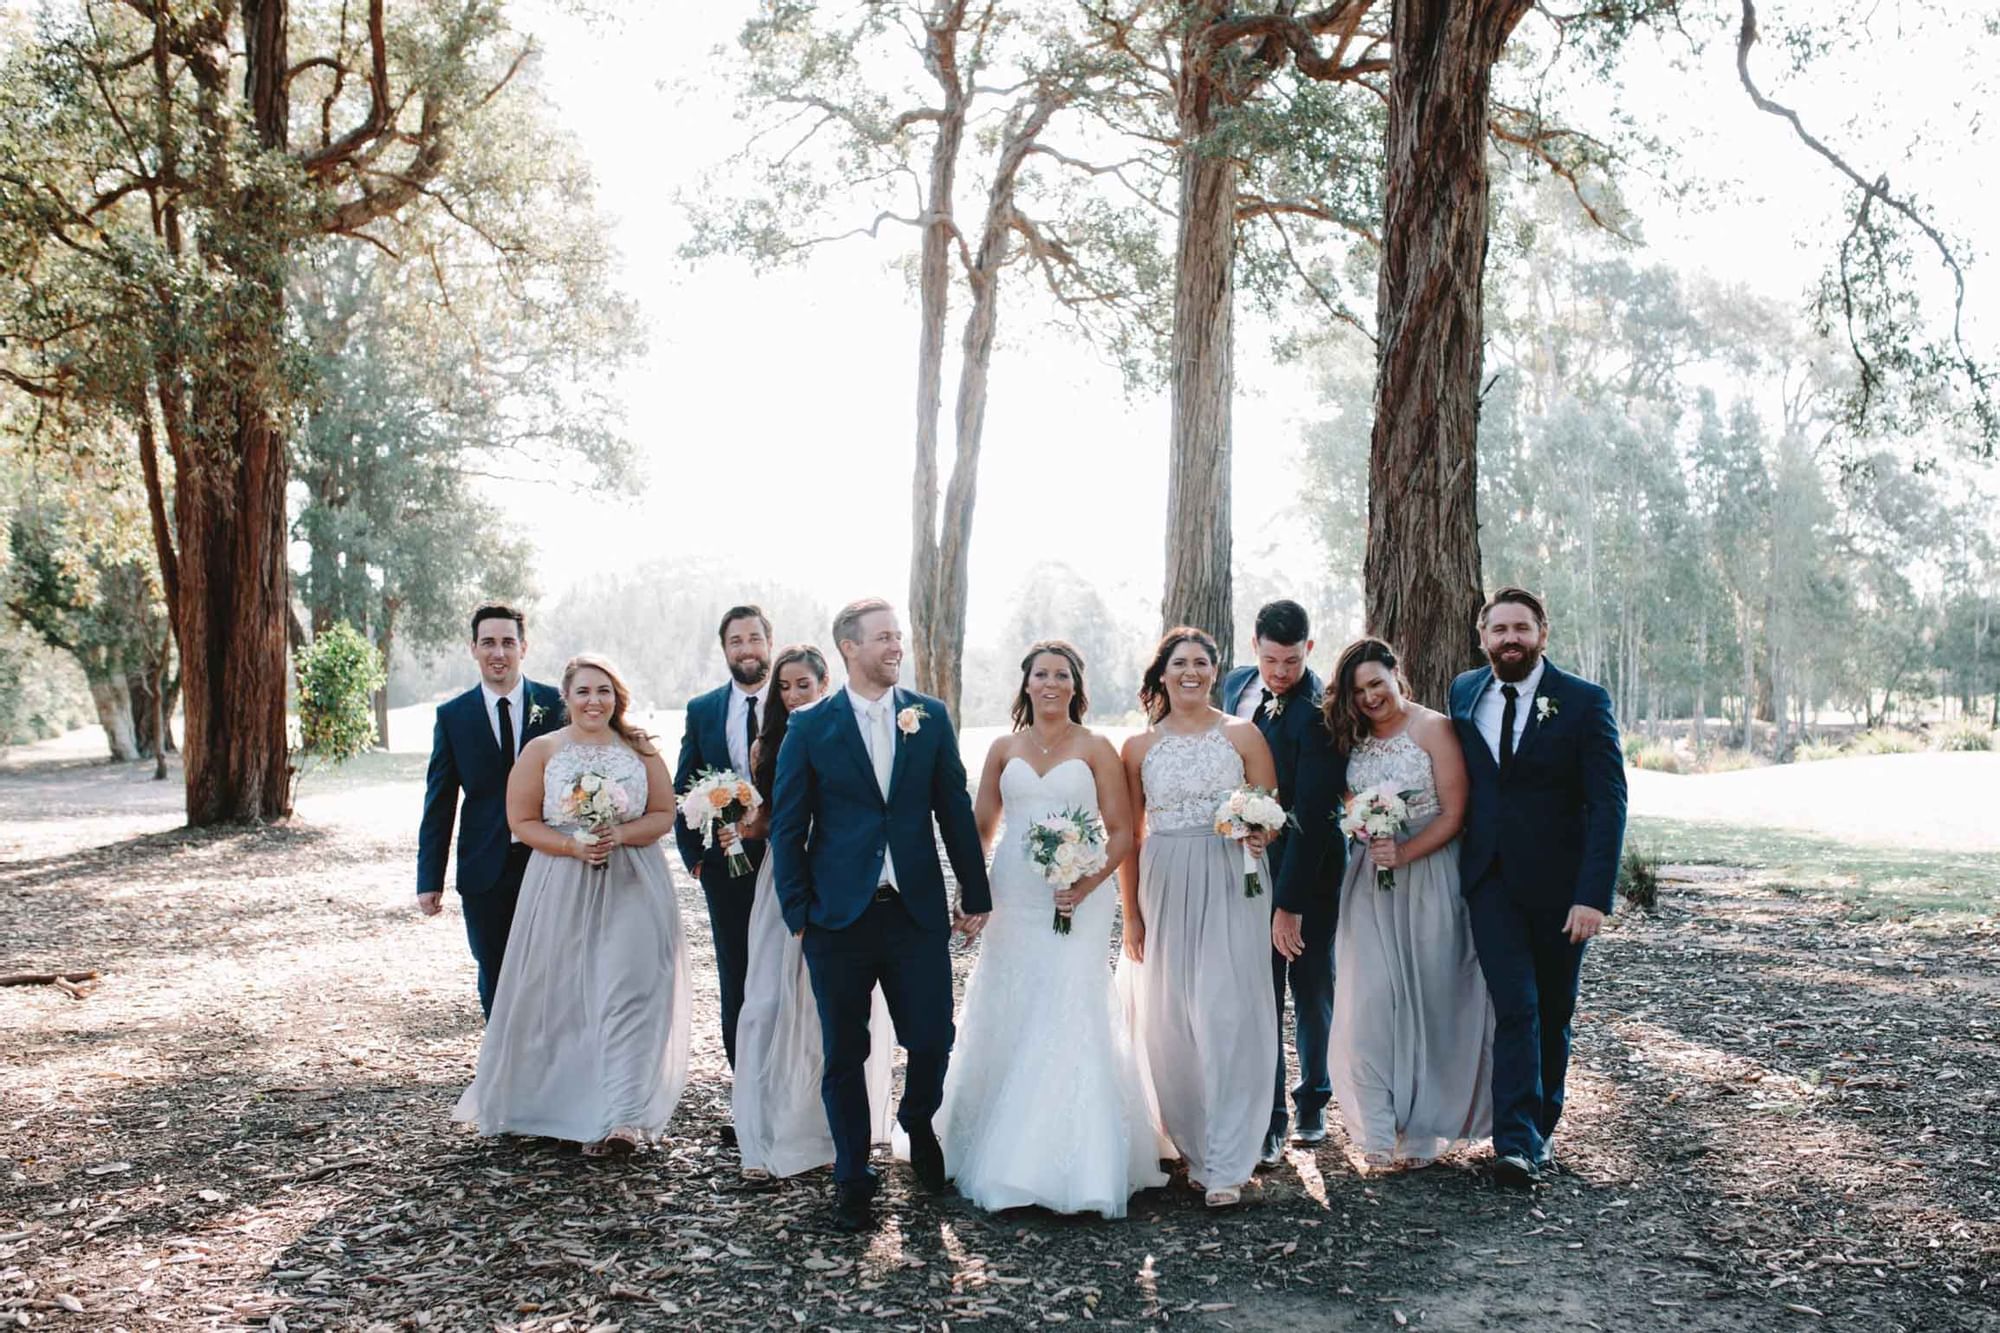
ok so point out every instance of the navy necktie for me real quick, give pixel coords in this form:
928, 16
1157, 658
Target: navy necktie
1510, 694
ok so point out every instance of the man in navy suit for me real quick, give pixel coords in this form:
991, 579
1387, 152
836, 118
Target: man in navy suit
473, 747
1544, 827
1282, 696
863, 781
721, 727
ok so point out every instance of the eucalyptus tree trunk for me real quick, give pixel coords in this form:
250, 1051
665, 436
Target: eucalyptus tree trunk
1198, 551
1422, 566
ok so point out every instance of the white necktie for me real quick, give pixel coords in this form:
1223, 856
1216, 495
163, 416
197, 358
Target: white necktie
883, 748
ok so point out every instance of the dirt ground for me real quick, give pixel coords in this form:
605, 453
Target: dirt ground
1786, 1113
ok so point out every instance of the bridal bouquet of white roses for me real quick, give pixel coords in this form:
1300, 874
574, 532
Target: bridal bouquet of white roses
718, 796
1377, 812
1065, 847
1245, 811
594, 802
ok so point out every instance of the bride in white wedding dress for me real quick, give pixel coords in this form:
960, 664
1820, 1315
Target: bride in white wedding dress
1043, 1104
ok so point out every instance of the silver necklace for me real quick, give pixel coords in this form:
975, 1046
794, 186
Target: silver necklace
1047, 750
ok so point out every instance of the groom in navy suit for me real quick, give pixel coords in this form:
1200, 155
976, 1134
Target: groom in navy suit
863, 780
478, 736
1281, 694
1538, 860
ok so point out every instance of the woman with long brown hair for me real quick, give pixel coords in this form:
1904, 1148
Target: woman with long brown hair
589, 1036
774, 1098
1197, 967
1412, 1042
1039, 1011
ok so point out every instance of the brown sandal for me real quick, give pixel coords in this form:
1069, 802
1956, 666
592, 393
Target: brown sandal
620, 1142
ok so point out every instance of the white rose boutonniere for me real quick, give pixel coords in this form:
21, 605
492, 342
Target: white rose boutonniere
536, 713
1545, 708
910, 719
1276, 708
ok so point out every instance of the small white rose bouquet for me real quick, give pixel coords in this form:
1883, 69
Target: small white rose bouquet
594, 803
1377, 812
718, 796
1065, 847
1245, 811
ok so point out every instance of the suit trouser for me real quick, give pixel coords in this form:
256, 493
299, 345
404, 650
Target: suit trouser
1533, 973
884, 946
489, 918
1311, 975
730, 900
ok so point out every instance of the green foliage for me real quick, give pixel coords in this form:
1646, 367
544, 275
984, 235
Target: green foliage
1813, 752
1886, 740
338, 674
1728, 759
1639, 878
1962, 737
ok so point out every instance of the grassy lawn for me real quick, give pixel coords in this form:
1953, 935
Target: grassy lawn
1876, 879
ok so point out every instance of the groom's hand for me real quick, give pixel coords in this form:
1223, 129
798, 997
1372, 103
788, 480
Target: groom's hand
1288, 933
970, 924
1583, 923
430, 904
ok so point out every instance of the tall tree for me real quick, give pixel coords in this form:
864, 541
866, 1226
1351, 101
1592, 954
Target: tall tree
848, 121
164, 167
1423, 550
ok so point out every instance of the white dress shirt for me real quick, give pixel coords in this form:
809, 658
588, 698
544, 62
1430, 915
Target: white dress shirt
736, 722
1253, 694
1487, 710
877, 720
514, 706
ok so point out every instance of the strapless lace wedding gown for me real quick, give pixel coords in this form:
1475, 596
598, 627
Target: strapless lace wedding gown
1412, 1047
1042, 1103
590, 1025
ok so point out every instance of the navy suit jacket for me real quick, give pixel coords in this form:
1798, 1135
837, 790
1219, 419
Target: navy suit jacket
705, 744
1556, 825
1309, 859
831, 827
465, 758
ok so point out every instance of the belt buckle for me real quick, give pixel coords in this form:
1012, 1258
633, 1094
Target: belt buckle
885, 893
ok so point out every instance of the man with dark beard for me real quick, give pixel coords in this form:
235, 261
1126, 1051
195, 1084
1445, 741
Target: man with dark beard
1544, 826
721, 727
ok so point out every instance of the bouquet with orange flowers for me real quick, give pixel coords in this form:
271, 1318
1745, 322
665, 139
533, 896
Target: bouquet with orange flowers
719, 796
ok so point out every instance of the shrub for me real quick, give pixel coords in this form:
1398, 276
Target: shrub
1960, 737
1723, 759
1658, 756
1639, 879
1885, 740
338, 674
1811, 752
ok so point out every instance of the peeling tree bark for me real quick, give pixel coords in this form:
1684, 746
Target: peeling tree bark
1422, 567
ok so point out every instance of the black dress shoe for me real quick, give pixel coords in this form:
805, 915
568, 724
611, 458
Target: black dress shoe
1515, 1171
729, 1136
853, 1208
1273, 1151
927, 1159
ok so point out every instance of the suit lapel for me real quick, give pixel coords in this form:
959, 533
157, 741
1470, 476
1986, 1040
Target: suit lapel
1466, 708
715, 741
846, 726
1546, 688
903, 742
481, 721
1234, 695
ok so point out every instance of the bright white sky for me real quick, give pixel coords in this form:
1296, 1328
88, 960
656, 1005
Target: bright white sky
805, 378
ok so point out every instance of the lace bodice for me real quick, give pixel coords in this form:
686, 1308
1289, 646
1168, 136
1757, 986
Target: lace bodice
572, 761
1186, 777
1400, 764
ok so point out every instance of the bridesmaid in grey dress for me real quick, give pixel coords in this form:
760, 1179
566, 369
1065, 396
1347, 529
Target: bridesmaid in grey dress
1196, 975
589, 1036
1412, 1047
774, 1098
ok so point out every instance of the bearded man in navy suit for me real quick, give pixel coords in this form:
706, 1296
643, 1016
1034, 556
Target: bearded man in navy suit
722, 725
473, 747
868, 782
1538, 860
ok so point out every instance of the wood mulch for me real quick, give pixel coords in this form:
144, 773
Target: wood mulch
1784, 1116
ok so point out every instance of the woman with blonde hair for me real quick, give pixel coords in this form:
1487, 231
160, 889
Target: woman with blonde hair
589, 1036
